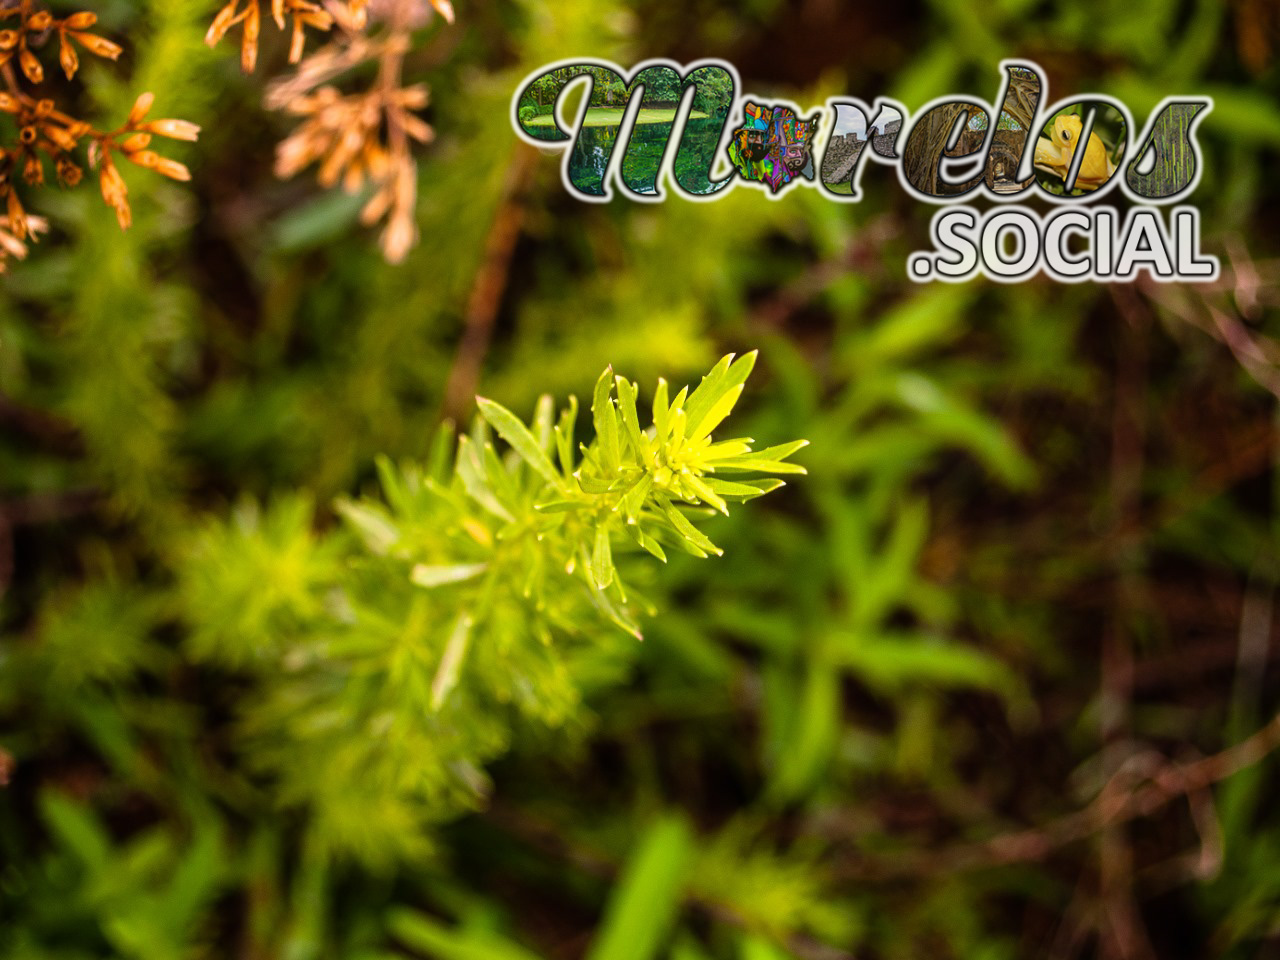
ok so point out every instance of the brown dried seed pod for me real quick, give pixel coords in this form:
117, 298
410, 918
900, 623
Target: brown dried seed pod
59, 137
221, 23
99, 46
249, 45
141, 107
444, 8
11, 245
31, 66
377, 207
172, 169
417, 128
163, 165
298, 41
173, 129
69, 172
115, 192
139, 141
17, 215
67, 57
33, 170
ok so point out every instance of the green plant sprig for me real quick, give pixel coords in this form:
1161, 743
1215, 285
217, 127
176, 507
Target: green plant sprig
400, 650
632, 480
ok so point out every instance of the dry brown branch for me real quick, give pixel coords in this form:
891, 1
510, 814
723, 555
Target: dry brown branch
361, 140
44, 132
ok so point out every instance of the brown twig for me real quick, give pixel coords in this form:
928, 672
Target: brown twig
46, 428
1258, 355
490, 284
1123, 934
861, 252
6, 554
40, 508
1140, 788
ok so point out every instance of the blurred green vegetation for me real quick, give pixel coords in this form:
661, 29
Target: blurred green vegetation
1035, 554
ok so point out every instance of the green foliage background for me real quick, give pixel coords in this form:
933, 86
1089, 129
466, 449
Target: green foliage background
1036, 548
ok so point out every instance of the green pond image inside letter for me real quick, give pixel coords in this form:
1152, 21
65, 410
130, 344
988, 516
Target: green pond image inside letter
663, 90
644, 152
612, 117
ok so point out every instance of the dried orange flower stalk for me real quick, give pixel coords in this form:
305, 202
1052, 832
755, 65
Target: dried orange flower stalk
47, 134
360, 140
